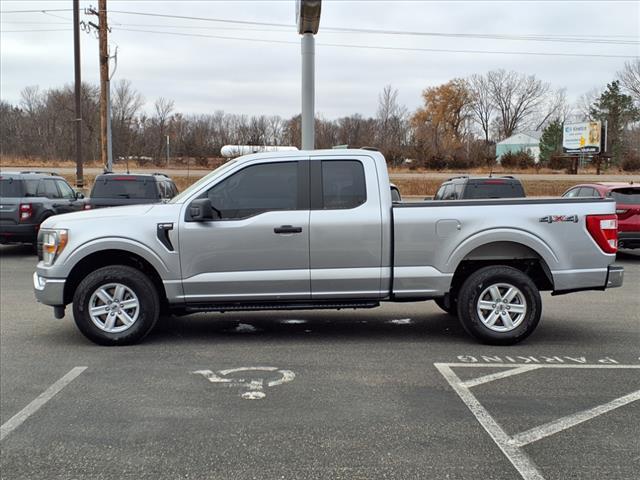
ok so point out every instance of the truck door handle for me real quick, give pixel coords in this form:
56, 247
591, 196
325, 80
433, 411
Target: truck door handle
287, 229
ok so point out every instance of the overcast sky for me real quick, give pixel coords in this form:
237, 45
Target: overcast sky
238, 76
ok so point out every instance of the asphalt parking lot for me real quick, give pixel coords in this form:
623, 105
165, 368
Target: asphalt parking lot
398, 392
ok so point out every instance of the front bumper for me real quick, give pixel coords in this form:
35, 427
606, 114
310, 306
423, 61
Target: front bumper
615, 276
49, 291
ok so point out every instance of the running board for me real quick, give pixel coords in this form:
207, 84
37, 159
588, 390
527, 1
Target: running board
231, 307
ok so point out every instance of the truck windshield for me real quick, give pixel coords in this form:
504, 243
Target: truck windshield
628, 196
124, 188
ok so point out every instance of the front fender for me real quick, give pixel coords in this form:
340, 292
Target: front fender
112, 243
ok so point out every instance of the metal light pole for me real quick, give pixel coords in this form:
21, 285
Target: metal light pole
308, 18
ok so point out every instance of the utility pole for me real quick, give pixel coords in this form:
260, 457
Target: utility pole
104, 78
103, 55
109, 131
77, 89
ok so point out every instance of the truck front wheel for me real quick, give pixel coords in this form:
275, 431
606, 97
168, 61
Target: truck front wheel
499, 305
116, 305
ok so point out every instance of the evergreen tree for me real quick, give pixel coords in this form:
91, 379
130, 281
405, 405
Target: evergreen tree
618, 110
551, 140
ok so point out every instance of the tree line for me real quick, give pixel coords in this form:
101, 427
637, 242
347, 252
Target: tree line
457, 125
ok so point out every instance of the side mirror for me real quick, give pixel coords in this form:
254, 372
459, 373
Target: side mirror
201, 210
79, 195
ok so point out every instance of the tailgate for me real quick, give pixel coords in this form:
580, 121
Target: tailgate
9, 211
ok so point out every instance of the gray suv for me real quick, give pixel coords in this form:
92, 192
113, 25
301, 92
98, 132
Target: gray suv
28, 198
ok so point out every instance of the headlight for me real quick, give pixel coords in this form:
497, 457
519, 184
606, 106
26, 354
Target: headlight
53, 243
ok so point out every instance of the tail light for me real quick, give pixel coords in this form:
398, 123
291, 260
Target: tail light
604, 230
26, 211
86, 207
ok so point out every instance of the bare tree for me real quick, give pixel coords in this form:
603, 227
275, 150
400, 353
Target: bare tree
554, 107
392, 125
163, 108
126, 105
585, 102
481, 104
630, 78
517, 98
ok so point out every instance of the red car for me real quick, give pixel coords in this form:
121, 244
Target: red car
627, 197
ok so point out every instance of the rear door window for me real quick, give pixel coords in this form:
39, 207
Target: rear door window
587, 192
47, 188
572, 193
343, 184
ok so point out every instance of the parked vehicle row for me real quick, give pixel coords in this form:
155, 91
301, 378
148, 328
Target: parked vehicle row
28, 198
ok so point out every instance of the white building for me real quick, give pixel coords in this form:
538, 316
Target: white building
520, 142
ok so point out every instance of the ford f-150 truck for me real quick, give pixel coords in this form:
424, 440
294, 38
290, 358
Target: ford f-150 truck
318, 229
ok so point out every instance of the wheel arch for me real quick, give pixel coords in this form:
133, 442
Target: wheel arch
508, 253
111, 257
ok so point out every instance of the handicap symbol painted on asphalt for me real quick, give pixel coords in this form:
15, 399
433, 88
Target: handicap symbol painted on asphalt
251, 383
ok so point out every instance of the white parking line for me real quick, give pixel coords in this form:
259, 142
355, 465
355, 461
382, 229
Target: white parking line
512, 446
498, 375
19, 418
538, 433
525, 466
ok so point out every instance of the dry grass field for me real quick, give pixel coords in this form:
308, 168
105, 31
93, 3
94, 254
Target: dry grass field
425, 187
412, 182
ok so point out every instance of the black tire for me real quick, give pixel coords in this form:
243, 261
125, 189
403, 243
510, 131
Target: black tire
477, 284
138, 283
445, 304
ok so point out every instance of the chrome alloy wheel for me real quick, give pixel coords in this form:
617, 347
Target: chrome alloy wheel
501, 307
114, 307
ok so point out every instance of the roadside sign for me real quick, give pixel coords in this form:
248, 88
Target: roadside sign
584, 137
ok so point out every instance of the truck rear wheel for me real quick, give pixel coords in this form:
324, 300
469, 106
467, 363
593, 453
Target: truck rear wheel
116, 305
499, 305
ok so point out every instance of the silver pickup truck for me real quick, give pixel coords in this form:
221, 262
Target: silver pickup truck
318, 229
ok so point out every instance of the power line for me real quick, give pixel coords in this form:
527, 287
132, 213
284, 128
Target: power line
564, 38
547, 38
374, 47
275, 29
37, 11
44, 12
34, 23
38, 30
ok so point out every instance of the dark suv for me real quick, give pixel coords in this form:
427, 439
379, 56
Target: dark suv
28, 198
117, 189
467, 188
